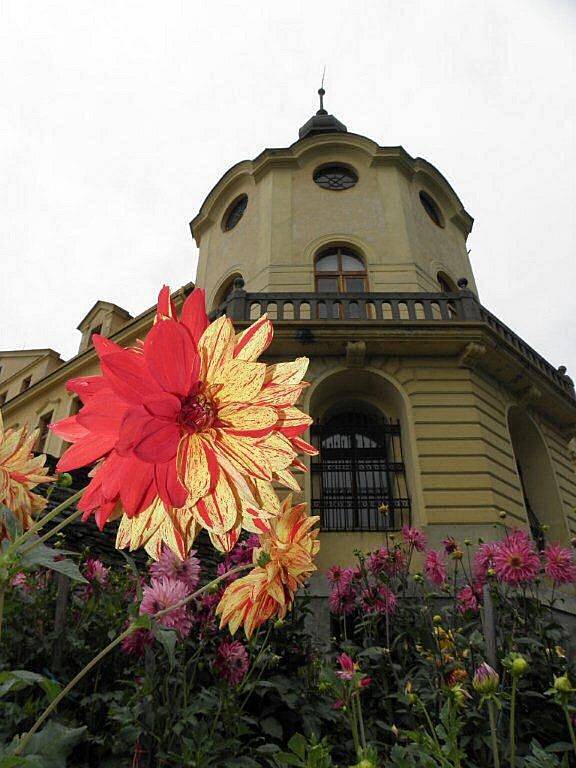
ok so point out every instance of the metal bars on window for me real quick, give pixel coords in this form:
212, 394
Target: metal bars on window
358, 476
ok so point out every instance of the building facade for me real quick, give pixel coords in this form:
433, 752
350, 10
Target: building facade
427, 409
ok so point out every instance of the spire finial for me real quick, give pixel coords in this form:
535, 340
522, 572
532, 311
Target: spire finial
321, 93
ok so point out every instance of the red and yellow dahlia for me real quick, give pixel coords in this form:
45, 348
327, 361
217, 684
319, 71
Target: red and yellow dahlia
287, 555
20, 471
189, 430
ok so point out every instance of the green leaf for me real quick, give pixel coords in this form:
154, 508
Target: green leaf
17, 679
53, 744
298, 745
52, 559
167, 637
271, 727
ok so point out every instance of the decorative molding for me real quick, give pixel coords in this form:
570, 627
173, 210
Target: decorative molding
471, 355
530, 395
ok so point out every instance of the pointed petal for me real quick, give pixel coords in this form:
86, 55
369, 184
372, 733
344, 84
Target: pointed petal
138, 490
194, 315
219, 510
171, 356
165, 308
86, 386
241, 381
194, 468
157, 441
85, 451
243, 454
169, 488
249, 421
128, 375
216, 347
254, 340
225, 542
293, 422
69, 429
104, 413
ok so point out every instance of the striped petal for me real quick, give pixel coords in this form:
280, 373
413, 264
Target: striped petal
248, 421
241, 382
252, 342
216, 347
243, 454
197, 469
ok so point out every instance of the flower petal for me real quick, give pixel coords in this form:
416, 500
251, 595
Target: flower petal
194, 315
243, 453
241, 381
103, 414
293, 422
138, 491
157, 441
86, 386
171, 357
128, 375
69, 429
246, 420
165, 308
85, 451
219, 510
216, 347
169, 488
195, 471
254, 340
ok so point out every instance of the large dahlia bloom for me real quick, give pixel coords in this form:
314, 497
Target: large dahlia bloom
20, 471
163, 593
232, 662
515, 559
282, 563
559, 564
171, 566
189, 429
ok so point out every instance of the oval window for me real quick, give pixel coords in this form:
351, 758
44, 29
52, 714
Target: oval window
335, 177
431, 209
234, 213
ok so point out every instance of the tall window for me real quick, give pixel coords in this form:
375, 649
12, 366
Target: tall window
340, 270
358, 477
45, 420
26, 384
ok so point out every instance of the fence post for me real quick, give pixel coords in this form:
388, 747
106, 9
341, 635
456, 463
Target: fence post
63, 592
236, 304
468, 301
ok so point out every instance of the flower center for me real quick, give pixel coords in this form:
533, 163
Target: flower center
515, 561
196, 414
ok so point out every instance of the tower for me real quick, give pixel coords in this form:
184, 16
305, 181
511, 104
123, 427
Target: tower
427, 409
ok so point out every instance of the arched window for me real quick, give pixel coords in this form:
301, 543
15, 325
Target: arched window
542, 503
358, 477
225, 291
432, 209
339, 270
447, 285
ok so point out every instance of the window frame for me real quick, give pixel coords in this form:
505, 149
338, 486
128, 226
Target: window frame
340, 274
243, 197
335, 164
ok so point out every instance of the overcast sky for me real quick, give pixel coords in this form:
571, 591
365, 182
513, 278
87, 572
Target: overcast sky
117, 118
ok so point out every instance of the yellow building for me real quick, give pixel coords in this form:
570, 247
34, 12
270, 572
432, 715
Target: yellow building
423, 401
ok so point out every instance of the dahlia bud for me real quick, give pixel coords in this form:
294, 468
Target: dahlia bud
263, 559
490, 572
457, 554
544, 528
502, 515
562, 684
395, 731
485, 680
64, 480
519, 666
437, 619
467, 542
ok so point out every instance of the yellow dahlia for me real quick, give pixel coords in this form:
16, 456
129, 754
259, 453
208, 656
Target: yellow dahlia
283, 562
20, 471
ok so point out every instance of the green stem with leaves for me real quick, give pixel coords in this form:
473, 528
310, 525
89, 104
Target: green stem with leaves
39, 524
513, 722
493, 733
570, 727
105, 651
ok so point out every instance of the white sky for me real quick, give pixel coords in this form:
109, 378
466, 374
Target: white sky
118, 117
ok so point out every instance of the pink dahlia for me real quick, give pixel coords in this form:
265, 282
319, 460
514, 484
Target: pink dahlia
173, 567
559, 564
386, 561
342, 600
450, 545
137, 642
232, 662
484, 559
467, 600
347, 667
165, 592
515, 560
20, 580
435, 568
96, 572
378, 600
338, 575
414, 538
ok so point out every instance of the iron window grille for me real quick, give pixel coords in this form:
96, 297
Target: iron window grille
335, 177
358, 476
234, 213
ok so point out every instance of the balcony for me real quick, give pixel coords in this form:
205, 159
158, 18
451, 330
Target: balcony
410, 311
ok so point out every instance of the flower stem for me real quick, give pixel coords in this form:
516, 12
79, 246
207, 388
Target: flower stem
2, 593
52, 532
493, 734
513, 723
570, 727
39, 524
105, 651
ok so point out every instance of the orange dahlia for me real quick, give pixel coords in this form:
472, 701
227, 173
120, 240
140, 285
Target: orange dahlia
283, 562
20, 471
189, 430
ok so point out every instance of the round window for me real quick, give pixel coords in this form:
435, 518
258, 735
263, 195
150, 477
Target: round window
431, 209
234, 213
335, 177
